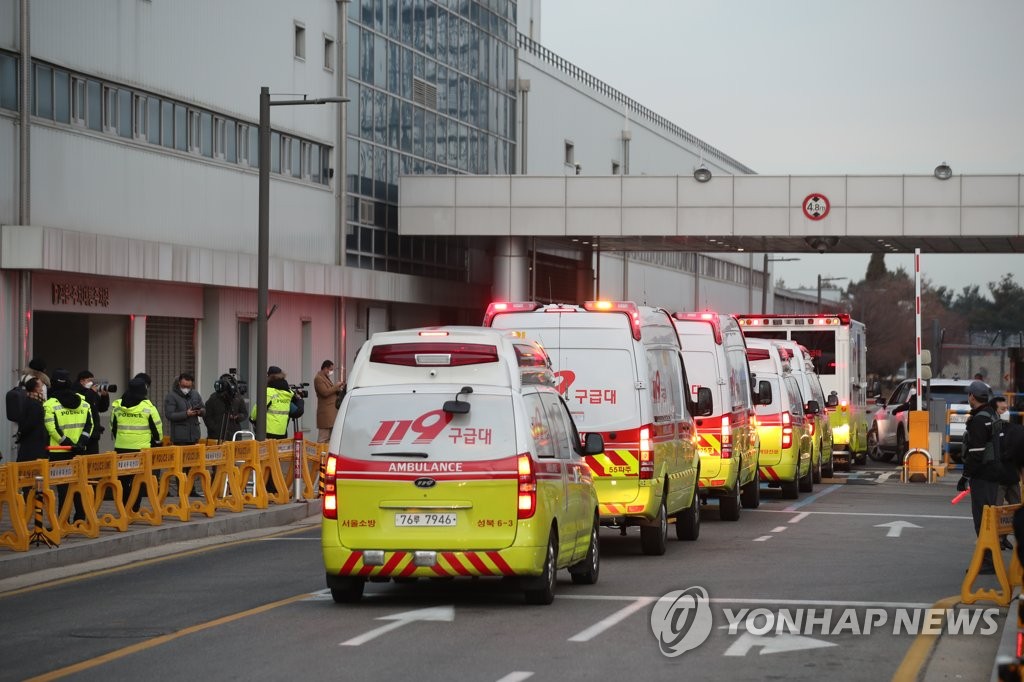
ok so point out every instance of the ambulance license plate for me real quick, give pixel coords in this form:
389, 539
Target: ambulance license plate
424, 519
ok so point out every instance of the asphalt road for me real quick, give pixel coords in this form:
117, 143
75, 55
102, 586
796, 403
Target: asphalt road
257, 609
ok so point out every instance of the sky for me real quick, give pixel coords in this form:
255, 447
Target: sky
790, 87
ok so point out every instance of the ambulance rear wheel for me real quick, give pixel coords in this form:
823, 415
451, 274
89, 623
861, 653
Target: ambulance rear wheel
587, 571
654, 539
806, 483
688, 520
829, 470
346, 589
729, 505
816, 469
541, 590
750, 494
790, 489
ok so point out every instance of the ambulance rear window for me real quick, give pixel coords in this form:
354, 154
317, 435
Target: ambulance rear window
412, 424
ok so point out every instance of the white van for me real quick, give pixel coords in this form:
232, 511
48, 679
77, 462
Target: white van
620, 368
715, 355
453, 455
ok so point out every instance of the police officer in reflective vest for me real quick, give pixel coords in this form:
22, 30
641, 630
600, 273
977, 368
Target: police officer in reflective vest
68, 419
135, 424
280, 400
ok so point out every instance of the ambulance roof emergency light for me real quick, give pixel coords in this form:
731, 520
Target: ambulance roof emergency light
627, 307
710, 318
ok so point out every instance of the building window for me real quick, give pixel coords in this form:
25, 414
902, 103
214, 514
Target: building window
124, 113
615, 167
141, 119
153, 126
94, 99
42, 96
180, 128
230, 138
109, 110
206, 134
570, 153
300, 41
219, 141
8, 82
167, 124
194, 131
61, 96
328, 53
243, 143
78, 108
286, 155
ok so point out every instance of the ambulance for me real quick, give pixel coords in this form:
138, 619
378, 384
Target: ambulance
453, 455
620, 369
715, 355
838, 348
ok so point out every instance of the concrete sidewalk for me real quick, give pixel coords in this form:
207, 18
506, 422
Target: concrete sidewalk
75, 550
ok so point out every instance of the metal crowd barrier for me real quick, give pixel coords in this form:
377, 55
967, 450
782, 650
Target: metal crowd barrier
31, 513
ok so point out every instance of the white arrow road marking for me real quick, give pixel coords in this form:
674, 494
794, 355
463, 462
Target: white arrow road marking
896, 527
605, 623
437, 613
773, 645
517, 676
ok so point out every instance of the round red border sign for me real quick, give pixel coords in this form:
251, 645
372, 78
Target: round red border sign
816, 206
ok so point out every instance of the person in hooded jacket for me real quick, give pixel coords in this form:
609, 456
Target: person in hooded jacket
32, 435
225, 409
282, 404
135, 424
68, 419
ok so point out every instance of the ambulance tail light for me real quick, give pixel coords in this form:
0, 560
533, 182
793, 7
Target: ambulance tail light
726, 437
495, 309
627, 307
787, 430
710, 318
434, 354
331, 488
810, 427
527, 488
1020, 645
646, 454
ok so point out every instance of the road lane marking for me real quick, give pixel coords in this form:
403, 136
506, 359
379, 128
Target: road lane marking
813, 498
759, 601
921, 650
612, 620
90, 663
778, 529
836, 513
763, 538
517, 676
444, 614
799, 517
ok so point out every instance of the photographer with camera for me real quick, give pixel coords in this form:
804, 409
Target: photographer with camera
225, 409
284, 402
328, 399
98, 397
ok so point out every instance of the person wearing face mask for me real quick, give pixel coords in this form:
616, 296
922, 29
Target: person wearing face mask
183, 407
328, 399
99, 401
32, 434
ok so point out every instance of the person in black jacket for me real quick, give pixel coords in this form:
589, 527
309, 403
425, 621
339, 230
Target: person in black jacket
225, 410
984, 471
32, 434
99, 401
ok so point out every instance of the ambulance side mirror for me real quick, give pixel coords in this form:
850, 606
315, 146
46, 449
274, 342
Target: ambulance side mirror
705, 402
832, 400
593, 444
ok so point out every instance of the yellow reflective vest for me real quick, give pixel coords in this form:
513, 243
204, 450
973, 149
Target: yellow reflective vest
64, 422
279, 403
135, 427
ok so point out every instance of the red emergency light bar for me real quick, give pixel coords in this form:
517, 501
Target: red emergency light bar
757, 354
434, 354
494, 309
710, 318
824, 320
626, 307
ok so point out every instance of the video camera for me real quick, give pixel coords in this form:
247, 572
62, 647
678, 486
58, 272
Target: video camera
104, 386
300, 390
230, 384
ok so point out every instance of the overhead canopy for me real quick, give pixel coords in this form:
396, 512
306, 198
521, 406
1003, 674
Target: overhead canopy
728, 213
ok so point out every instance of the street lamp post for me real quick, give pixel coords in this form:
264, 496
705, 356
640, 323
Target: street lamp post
263, 246
826, 279
764, 283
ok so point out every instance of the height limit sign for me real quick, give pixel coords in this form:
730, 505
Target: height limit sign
816, 206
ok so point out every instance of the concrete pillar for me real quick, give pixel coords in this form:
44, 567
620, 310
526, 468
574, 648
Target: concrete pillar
511, 269
137, 358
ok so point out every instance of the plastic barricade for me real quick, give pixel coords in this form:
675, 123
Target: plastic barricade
277, 457
193, 462
11, 500
310, 468
72, 473
995, 521
145, 490
248, 465
101, 470
166, 466
227, 487
40, 511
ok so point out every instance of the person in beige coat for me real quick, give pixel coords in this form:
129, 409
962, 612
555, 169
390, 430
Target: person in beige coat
328, 400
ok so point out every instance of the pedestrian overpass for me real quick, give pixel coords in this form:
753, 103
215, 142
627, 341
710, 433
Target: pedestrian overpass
726, 213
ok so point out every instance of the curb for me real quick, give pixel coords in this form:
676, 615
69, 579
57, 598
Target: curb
78, 550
